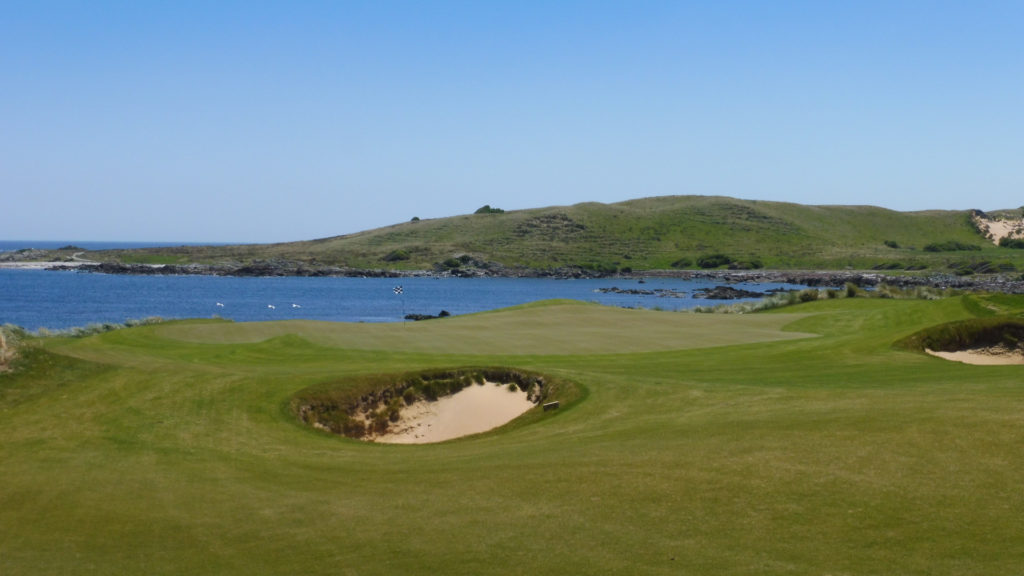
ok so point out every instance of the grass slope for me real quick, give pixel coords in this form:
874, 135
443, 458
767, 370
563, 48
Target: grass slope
650, 233
168, 450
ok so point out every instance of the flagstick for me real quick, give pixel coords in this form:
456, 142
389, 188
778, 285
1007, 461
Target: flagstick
399, 292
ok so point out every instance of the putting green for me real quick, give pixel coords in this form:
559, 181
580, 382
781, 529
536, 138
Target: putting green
557, 327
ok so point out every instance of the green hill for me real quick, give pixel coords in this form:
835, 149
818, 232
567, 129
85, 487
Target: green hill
644, 234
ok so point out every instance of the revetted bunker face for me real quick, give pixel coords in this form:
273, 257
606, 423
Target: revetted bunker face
998, 340
374, 407
967, 334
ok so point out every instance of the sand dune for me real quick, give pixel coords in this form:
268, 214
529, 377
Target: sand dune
996, 230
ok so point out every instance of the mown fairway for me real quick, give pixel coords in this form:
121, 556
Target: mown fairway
798, 442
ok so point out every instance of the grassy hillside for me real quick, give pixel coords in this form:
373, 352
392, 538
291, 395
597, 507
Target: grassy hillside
796, 442
651, 233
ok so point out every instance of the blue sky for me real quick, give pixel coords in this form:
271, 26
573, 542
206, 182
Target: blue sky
259, 121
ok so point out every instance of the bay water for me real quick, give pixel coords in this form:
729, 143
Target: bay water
35, 299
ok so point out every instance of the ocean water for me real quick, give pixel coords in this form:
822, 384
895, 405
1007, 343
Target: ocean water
35, 299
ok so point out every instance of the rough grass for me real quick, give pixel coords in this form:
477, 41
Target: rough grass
171, 449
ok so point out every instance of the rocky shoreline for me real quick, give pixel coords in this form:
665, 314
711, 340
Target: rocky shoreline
1006, 283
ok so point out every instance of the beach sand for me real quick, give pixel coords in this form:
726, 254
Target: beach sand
473, 410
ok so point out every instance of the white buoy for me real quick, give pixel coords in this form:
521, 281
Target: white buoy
220, 304
296, 306
271, 306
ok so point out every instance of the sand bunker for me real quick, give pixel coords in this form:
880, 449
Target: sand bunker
473, 410
984, 356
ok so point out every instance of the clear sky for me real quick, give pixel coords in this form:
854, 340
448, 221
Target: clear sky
251, 121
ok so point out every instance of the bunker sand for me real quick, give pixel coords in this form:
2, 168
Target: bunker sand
987, 356
472, 410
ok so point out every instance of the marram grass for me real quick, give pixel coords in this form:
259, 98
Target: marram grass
800, 441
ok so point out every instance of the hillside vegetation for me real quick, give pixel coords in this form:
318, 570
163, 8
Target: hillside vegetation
645, 234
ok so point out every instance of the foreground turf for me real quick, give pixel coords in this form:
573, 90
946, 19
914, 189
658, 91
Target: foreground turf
724, 445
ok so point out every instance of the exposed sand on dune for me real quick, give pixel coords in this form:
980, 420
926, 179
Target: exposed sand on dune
1000, 229
996, 230
473, 410
988, 356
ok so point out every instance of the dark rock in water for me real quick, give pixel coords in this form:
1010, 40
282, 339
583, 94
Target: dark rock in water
418, 317
617, 290
726, 293
660, 292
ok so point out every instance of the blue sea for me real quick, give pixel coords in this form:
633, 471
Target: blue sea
36, 299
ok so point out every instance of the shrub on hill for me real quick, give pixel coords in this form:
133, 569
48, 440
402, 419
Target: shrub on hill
887, 266
982, 266
683, 262
713, 261
746, 265
1016, 243
950, 246
396, 255
486, 209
